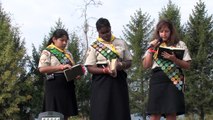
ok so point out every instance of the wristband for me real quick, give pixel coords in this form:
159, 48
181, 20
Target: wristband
151, 53
150, 50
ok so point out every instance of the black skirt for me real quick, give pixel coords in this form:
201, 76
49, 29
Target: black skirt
164, 97
109, 97
60, 96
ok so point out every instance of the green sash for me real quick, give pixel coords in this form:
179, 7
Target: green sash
105, 51
59, 55
172, 71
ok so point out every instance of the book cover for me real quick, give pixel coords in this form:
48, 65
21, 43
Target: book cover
179, 52
76, 70
113, 68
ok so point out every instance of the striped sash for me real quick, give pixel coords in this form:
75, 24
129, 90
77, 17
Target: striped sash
171, 70
105, 51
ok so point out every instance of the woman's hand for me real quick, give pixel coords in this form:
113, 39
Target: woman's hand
119, 65
154, 43
168, 56
172, 57
78, 77
107, 70
65, 66
52, 69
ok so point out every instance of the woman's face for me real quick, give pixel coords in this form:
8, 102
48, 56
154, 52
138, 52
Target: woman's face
164, 33
60, 42
105, 33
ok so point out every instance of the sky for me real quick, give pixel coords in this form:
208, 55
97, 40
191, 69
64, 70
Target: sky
36, 17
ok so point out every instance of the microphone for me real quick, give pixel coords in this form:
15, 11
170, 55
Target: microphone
159, 40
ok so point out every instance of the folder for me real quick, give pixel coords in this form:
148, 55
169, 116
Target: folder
76, 70
179, 52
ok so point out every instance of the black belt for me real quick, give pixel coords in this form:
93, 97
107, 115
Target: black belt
58, 74
53, 75
156, 69
101, 65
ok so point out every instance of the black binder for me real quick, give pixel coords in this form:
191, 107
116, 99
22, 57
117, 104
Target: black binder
76, 70
179, 52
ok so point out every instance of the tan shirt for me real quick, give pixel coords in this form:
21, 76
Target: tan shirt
94, 57
181, 44
47, 59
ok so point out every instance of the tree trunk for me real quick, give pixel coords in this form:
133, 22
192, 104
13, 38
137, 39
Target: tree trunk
202, 114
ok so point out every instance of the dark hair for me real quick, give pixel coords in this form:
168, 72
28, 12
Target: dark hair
58, 33
173, 36
102, 22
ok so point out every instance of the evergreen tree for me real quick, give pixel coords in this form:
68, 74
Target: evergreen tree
199, 80
82, 85
74, 47
138, 33
13, 79
172, 13
34, 105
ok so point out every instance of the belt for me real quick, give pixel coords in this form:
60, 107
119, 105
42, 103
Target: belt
156, 69
58, 74
53, 75
101, 65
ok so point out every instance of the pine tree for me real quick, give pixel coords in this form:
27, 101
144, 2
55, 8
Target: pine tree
172, 13
82, 85
137, 33
199, 97
34, 105
13, 79
74, 47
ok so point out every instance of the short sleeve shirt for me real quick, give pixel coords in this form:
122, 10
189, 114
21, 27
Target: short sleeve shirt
47, 59
94, 57
181, 44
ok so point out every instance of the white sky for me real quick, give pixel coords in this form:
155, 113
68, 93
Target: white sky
36, 17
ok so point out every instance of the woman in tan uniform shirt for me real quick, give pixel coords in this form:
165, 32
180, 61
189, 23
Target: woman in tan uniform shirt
59, 94
166, 86
109, 92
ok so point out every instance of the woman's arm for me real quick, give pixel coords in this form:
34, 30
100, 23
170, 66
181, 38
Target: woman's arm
183, 64
93, 69
147, 60
52, 69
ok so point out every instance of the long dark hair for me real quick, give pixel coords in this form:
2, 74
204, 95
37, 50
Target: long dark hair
58, 33
102, 22
173, 38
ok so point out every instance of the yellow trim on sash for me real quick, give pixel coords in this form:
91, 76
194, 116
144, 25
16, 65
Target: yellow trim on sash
63, 51
110, 43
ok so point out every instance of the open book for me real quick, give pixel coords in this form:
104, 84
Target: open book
76, 70
179, 52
